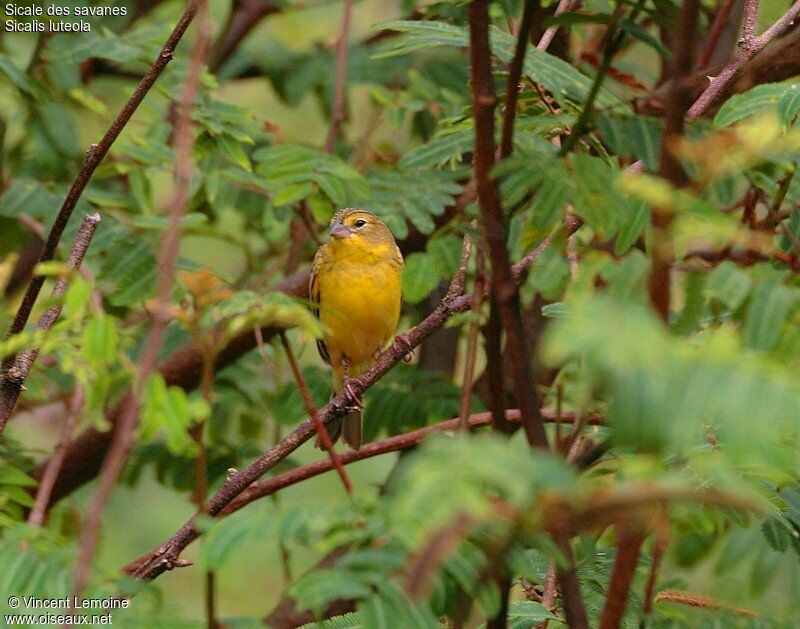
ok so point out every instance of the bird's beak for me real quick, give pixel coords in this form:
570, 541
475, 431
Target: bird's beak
340, 230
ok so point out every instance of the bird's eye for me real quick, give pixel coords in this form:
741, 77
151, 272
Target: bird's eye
360, 222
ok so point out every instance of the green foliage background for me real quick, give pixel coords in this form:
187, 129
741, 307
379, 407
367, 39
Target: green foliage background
727, 367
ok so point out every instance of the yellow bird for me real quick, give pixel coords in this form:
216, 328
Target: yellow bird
356, 280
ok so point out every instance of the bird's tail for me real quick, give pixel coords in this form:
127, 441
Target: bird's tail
347, 426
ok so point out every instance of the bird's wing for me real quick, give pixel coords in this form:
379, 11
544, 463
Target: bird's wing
321, 260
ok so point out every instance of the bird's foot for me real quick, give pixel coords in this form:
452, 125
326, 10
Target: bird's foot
353, 401
401, 343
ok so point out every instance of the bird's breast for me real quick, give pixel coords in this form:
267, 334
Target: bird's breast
360, 307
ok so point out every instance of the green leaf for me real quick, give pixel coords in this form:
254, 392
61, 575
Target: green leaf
680, 384
24, 196
729, 284
291, 165
14, 476
556, 75
419, 277
440, 150
768, 311
17, 77
788, 106
317, 589
167, 409
752, 101
234, 151
527, 614
100, 341
694, 301
400, 197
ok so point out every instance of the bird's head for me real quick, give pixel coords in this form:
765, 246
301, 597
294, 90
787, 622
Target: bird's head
353, 229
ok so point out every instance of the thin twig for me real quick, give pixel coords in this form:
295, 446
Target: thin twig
167, 256
550, 33
45, 488
340, 78
322, 431
94, 156
505, 296
17, 372
514, 76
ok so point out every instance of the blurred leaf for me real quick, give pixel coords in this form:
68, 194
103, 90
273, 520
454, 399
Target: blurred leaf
769, 308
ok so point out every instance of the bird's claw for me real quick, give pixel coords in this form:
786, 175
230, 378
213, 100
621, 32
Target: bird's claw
401, 343
352, 400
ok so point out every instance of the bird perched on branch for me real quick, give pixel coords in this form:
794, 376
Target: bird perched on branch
356, 282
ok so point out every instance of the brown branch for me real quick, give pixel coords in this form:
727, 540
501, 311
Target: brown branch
514, 75
167, 257
340, 78
569, 585
244, 17
405, 441
270, 486
17, 372
322, 431
751, 44
94, 156
750, 21
670, 168
504, 293
628, 546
